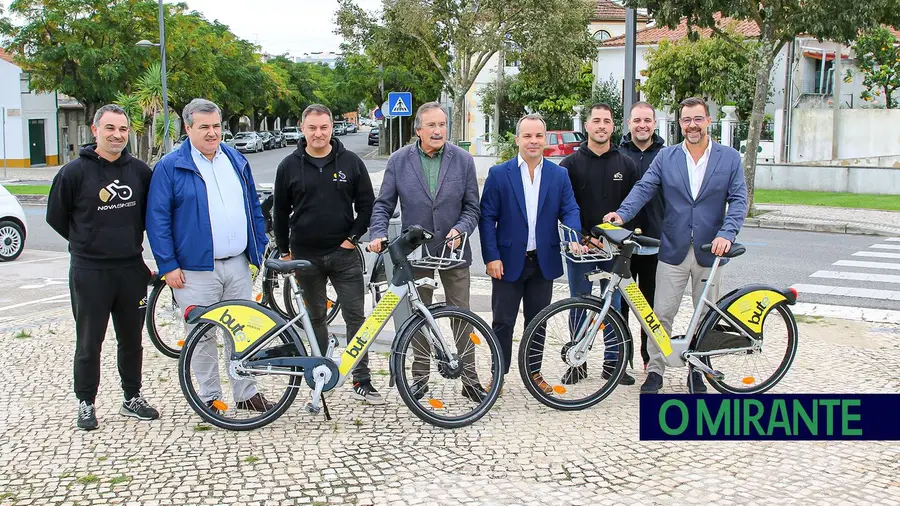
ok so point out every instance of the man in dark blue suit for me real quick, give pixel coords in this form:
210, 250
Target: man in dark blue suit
522, 203
705, 195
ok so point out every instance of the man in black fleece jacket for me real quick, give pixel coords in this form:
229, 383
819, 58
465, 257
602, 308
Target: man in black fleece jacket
97, 203
642, 144
316, 190
601, 178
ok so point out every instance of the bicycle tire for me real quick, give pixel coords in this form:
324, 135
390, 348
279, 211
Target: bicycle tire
404, 386
619, 327
268, 287
150, 322
199, 406
786, 361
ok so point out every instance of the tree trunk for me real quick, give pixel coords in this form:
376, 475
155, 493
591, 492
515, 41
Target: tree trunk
765, 59
888, 102
459, 114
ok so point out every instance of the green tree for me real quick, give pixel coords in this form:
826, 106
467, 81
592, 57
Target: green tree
715, 68
778, 22
878, 58
608, 92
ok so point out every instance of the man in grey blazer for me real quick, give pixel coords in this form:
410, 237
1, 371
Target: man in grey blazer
437, 187
705, 195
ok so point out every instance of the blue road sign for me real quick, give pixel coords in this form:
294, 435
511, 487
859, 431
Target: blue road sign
400, 103
378, 114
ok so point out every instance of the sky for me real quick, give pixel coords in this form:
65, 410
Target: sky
280, 26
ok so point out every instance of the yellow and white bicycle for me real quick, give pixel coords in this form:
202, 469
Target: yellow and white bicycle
265, 360
743, 344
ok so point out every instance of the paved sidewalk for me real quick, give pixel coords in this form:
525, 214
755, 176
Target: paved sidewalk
520, 453
827, 219
30, 174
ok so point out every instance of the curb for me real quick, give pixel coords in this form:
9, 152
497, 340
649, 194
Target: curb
40, 200
828, 228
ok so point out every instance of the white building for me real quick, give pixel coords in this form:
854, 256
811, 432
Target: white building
28, 119
324, 57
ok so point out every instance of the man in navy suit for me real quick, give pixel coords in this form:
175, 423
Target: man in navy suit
522, 203
702, 185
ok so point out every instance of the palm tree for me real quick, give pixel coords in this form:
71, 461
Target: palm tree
148, 91
135, 113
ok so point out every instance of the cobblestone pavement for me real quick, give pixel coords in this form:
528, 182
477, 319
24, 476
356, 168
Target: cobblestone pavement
520, 453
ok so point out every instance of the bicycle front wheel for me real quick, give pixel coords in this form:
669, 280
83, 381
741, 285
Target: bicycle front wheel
455, 391
546, 363
164, 320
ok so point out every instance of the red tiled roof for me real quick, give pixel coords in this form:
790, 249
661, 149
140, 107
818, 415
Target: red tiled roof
656, 34
607, 10
6, 56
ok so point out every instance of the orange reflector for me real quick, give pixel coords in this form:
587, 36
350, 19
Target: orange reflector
559, 389
436, 404
749, 380
221, 406
329, 304
258, 297
475, 339
602, 326
181, 343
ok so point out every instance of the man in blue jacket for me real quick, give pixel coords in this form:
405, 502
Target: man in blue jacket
523, 201
702, 185
206, 228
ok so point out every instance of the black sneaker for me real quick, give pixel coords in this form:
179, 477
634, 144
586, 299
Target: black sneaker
609, 367
653, 384
364, 391
474, 393
699, 385
575, 374
87, 418
137, 407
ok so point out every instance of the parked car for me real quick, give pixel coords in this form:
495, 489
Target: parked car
562, 142
291, 134
268, 140
373, 136
179, 142
340, 128
248, 142
352, 128
280, 142
228, 138
13, 226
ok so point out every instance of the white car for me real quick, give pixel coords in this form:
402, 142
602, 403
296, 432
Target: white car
291, 134
13, 226
246, 142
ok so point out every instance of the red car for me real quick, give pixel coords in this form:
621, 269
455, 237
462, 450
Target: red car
562, 142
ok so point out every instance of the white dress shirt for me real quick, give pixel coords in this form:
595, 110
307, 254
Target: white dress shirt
696, 171
532, 192
225, 195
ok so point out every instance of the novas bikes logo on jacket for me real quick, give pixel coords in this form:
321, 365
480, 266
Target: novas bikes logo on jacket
339, 176
114, 191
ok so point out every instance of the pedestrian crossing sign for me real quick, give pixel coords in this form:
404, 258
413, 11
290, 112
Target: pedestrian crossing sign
400, 103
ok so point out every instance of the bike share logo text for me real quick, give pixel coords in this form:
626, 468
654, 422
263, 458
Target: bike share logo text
237, 329
358, 344
114, 190
756, 317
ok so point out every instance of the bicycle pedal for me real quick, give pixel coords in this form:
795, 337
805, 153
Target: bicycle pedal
313, 410
716, 375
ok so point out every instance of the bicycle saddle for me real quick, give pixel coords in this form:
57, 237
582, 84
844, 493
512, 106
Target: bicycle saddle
286, 266
737, 249
611, 233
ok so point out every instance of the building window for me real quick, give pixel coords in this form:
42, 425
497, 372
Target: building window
24, 83
601, 35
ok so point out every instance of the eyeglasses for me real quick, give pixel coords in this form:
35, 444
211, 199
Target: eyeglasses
696, 119
435, 126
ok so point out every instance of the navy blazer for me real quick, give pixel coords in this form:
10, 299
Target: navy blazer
503, 225
684, 218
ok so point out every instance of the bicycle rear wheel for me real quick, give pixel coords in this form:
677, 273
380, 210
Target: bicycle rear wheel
449, 392
225, 397
164, 320
546, 368
756, 371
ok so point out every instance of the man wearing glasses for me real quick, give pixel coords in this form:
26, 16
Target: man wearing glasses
705, 195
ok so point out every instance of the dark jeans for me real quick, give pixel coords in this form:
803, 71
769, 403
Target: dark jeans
345, 270
535, 292
96, 294
643, 270
579, 285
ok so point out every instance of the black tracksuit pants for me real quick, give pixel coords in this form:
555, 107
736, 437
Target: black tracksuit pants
643, 269
97, 294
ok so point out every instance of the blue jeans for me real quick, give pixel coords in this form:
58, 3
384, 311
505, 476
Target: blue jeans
580, 285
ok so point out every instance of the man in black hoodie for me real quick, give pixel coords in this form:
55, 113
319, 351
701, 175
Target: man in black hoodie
601, 178
316, 190
642, 144
97, 203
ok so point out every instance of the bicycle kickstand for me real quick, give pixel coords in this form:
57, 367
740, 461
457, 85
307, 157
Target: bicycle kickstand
325, 408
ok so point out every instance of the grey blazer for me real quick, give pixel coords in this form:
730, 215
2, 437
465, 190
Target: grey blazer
455, 204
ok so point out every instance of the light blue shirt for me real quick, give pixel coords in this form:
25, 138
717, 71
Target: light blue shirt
226, 203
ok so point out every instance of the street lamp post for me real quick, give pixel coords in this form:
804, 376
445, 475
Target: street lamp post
165, 94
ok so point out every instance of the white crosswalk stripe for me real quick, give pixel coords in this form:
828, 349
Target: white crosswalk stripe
876, 254
845, 291
857, 276
885, 246
893, 239
867, 265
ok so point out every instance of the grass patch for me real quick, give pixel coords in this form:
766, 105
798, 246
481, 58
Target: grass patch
7, 495
23, 334
120, 479
357, 422
87, 480
102, 459
29, 189
251, 459
382, 372
202, 428
829, 199
801, 318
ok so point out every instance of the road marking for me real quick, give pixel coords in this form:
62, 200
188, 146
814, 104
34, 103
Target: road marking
844, 291
885, 246
46, 299
33, 261
876, 254
847, 312
893, 239
867, 265
857, 276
